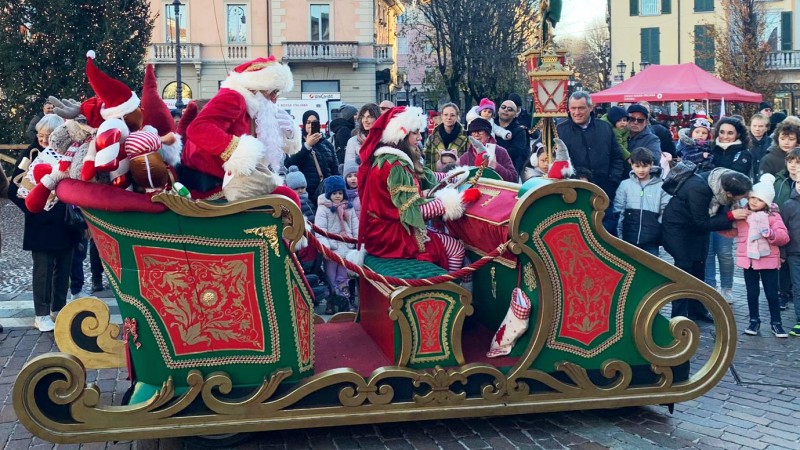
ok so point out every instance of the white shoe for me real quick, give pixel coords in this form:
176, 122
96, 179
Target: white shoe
54, 315
44, 323
727, 294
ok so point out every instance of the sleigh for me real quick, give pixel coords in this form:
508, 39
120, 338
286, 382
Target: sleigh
219, 333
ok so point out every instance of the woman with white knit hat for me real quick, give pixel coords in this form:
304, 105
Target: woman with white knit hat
758, 238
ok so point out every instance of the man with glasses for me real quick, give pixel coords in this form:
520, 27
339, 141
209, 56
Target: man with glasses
517, 145
593, 146
385, 106
640, 134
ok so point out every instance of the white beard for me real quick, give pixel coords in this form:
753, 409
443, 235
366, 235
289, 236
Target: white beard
268, 131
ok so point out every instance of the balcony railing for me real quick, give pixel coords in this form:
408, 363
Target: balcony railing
190, 53
234, 52
788, 59
383, 54
320, 51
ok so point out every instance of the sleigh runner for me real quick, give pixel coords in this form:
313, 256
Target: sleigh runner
219, 333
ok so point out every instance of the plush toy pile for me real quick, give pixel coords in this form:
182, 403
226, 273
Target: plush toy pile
109, 139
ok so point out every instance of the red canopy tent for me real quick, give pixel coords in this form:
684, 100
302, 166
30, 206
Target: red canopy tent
679, 82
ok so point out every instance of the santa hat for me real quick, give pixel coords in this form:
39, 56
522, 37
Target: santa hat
402, 121
700, 113
764, 189
155, 111
261, 74
118, 99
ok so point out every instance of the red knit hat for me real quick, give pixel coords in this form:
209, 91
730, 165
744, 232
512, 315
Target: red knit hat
155, 111
486, 104
118, 99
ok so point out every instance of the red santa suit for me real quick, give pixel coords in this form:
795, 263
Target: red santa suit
221, 141
393, 207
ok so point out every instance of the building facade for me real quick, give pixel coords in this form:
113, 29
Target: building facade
339, 51
678, 31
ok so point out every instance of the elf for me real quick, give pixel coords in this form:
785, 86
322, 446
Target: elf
391, 181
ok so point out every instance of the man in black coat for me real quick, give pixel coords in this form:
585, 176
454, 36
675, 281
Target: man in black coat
592, 145
687, 224
517, 146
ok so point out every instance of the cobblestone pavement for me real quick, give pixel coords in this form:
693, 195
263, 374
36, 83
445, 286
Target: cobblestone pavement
757, 404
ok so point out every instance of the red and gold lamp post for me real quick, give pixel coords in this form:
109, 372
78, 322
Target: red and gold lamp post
549, 78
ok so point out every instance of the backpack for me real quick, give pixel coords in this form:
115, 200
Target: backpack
677, 176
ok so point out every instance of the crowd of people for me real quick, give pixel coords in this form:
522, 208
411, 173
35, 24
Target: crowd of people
693, 193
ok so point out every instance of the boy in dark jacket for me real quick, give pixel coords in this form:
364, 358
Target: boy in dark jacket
640, 201
787, 137
785, 184
791, 218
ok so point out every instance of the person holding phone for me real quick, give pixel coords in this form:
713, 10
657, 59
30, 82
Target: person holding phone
316, 158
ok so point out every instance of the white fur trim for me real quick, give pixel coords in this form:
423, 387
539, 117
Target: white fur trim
172, 153
356, 257
91, 54
274, 77
395, 152
568, 171
246, 156
119, 111
405, 122
451, 200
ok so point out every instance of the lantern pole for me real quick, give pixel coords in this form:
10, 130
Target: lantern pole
549, 75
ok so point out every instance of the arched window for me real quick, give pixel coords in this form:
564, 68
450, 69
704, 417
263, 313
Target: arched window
169, 91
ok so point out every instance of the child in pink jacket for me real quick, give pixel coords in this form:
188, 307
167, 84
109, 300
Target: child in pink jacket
758, 239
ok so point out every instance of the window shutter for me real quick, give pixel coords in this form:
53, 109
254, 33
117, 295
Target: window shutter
634, 7
651, 48
655, 46
786, 30
666, 6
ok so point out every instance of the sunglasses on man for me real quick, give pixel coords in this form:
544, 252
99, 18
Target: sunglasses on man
634, 120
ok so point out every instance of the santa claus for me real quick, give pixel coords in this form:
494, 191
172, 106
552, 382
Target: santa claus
391, 181
240, 137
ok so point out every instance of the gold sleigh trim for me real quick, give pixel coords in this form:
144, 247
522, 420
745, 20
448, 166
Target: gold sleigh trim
437, 393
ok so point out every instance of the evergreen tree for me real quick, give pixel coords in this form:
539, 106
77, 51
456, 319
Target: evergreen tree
43, 45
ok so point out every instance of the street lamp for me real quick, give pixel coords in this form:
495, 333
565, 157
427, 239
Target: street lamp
414, 96
621, 66
407, 87
643, 65
633, 69
179, 88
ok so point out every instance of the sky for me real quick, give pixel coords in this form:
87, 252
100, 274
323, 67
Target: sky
576, 15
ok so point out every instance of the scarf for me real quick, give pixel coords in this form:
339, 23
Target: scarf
351, 194
757, 245
342, 210
720, 197
725, 145
448, 138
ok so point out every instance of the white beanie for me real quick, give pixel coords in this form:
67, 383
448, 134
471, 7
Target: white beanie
764, 189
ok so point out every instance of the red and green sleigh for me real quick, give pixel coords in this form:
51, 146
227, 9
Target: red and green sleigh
219, 333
